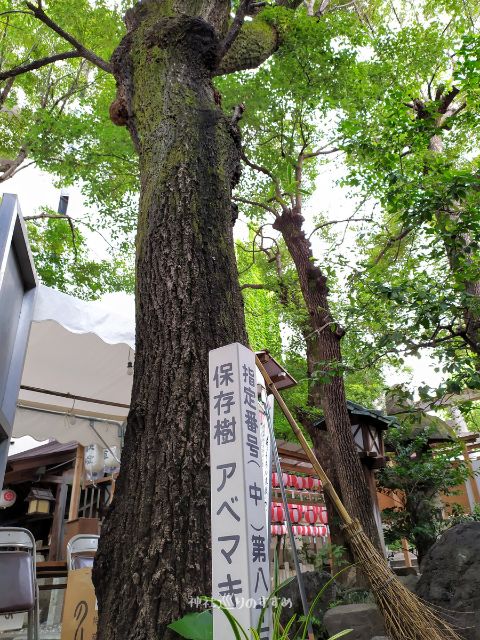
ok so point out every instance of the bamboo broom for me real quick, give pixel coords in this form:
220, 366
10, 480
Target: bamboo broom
406, 616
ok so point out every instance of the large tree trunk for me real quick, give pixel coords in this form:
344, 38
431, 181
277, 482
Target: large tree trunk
154, 552
354, 489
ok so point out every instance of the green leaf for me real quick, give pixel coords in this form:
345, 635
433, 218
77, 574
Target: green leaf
194, 626
340, 634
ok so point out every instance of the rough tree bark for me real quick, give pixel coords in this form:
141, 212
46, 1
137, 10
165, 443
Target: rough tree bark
154, 552
321, 440
325, 345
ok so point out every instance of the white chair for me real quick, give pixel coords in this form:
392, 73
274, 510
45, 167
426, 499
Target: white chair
81, 551
18, 580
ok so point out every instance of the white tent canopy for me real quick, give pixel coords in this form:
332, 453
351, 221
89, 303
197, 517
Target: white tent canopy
76, 350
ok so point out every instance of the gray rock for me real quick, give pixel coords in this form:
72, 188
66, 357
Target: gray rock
365, 620
410, 581
451, 578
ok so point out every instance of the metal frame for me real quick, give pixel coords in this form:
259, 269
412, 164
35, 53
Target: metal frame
23, 539
81, 543
14, 242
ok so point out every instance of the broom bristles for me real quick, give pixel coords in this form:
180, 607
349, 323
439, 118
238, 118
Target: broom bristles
406, 616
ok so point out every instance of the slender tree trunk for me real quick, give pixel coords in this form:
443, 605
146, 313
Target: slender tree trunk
425, 517
320, 438
354, 489
322, 446
459, 254
154, 552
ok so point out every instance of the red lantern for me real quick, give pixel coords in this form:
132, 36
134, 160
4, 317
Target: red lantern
277, 513
316, 484
275, 480
310, 515
323, 515
295, 513
300, 483
308, 483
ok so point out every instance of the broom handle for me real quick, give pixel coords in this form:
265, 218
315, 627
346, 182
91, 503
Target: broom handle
327, 485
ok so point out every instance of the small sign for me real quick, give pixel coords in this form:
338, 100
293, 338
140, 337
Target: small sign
80, 611
11, 621
240, 537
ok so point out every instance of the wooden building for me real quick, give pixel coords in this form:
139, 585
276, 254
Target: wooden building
77, 506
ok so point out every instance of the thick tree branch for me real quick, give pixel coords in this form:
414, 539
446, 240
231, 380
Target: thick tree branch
9, 167
403, 234
253, 286
447, 99
234, 28
253, 44
92, 57
322, 8
6, 90
425, 344
37, 64
321, 152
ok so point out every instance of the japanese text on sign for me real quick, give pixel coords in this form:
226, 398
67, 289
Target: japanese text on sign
240, 541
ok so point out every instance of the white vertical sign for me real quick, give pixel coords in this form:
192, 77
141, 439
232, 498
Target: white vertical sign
265, 418
240, 562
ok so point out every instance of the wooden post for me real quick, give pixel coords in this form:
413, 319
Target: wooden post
113, 486
57, 524
406, 553
76, 485
372, 485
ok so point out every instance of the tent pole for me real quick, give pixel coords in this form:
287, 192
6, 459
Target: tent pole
76, 485
72, 396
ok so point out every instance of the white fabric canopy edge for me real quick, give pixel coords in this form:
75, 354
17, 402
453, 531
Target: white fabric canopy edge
93, 364
113, 321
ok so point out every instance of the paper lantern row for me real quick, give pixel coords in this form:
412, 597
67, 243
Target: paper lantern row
297, 482
99, 461
310, 513
300, 530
